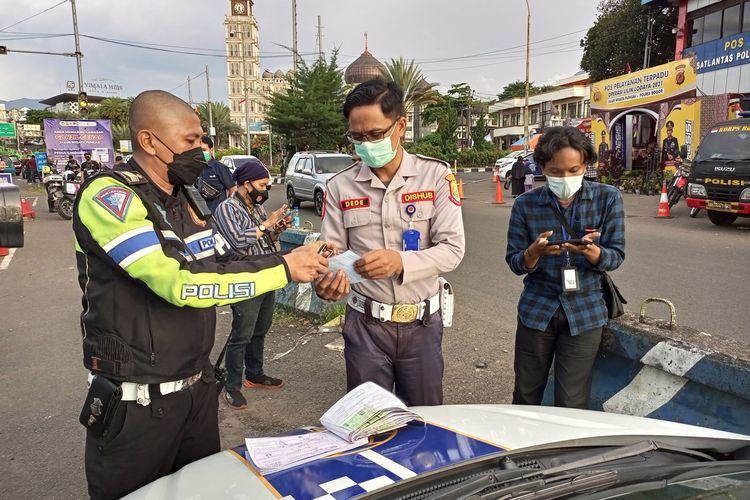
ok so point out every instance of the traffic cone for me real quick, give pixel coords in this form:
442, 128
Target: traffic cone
461, 188
3, 252
663, 212
26, 211
499, 193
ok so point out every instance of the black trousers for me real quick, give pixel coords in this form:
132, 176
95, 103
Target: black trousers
153, 441
407, 356
574, 358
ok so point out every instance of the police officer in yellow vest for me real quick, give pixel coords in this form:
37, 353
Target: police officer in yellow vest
401, 213
152, 270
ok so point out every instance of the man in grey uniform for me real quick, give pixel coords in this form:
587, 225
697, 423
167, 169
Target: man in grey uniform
401, 213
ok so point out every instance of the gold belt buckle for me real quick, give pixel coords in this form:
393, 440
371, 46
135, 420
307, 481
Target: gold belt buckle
404, 313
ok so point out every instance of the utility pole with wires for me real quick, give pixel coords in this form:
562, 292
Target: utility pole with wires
295, 53
526, 92
78, 53
211, 131
649, 35
190, 92
320, 40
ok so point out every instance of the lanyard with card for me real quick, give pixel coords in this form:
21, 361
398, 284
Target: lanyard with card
568, 273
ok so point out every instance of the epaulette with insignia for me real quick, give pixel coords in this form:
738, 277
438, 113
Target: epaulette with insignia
131, 178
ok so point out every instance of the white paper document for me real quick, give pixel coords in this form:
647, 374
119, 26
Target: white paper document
346, 262
273, 454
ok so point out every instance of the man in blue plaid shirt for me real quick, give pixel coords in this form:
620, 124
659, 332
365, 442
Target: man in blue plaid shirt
561, 312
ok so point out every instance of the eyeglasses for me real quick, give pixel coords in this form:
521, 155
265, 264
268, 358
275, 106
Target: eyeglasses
357, 138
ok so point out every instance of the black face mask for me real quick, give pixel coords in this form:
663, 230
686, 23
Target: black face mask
256, 193
186, 167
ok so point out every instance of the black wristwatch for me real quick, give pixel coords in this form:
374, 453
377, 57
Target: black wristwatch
264, 230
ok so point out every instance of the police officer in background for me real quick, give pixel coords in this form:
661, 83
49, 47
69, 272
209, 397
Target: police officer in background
670, 146
401, 213
149, 267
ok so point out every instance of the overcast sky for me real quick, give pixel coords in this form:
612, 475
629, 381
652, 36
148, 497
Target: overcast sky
429, 31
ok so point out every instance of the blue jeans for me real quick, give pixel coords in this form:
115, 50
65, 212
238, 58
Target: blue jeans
251, 320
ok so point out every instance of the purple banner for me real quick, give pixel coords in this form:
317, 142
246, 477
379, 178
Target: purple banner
76, 137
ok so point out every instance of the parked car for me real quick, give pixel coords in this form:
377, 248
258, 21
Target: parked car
12, 164
504, 171
231, 161
308, 172
506, 160
493, 451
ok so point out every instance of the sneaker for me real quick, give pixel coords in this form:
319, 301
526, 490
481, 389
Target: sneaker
263, 382
235, 400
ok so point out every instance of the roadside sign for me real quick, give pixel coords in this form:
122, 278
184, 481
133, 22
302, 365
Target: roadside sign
29, 127
126, 146
212, 131
7, 129
41, 160
6, 178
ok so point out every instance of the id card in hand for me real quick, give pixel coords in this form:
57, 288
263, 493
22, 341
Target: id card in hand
569, 276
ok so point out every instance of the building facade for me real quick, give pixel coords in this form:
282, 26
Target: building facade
248, 89
567, 104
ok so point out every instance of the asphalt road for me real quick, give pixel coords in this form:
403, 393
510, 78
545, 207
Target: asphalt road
701, 267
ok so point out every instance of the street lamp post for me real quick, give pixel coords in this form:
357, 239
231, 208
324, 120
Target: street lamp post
526, 93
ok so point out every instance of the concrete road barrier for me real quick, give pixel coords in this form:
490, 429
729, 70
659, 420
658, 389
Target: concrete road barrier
302, 296
678, 374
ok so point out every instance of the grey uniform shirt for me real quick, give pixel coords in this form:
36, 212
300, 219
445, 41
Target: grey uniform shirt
362, 214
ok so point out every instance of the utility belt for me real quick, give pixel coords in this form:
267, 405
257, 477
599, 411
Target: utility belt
407, 313
105, 397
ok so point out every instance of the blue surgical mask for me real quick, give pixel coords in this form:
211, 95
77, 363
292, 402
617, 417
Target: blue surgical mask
377, 154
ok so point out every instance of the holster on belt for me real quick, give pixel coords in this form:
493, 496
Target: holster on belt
102, 403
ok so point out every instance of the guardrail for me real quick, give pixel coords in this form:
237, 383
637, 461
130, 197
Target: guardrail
658, 369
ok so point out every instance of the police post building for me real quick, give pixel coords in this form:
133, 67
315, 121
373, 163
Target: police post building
702, 86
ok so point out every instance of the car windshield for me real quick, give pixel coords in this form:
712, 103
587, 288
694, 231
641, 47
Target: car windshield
332, 164
725, 142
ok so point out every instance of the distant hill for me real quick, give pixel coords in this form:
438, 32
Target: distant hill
23, 103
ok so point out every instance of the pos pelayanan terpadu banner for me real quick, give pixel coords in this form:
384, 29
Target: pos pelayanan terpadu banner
666, 82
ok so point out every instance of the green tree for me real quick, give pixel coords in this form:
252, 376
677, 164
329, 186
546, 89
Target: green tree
418, 92
518, 89
478, 133
618, 35
222, 122
113, 108
37, 116
308, 113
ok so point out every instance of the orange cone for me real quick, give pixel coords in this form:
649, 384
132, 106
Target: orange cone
26, 211
3, 252
461, 189
499, 194
663, 212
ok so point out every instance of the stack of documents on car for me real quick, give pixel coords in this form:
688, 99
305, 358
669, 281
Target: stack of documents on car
367, 410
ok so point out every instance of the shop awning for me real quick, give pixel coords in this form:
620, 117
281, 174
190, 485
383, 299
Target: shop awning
518, 145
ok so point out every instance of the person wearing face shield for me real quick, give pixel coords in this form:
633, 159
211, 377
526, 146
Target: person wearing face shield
152, 270
216, 175
561, 312
401, 213
245, 225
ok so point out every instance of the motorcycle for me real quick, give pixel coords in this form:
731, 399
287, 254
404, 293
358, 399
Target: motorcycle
71, 183
678, 184
53, 183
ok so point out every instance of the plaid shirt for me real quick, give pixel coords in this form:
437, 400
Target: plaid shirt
598, 207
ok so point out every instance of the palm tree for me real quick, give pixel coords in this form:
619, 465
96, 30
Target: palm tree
418, 92
115, 109
222, 122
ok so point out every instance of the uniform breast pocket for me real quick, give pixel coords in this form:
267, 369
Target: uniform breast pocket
420, 220
358, 225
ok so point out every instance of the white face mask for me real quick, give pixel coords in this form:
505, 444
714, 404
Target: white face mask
565, 187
